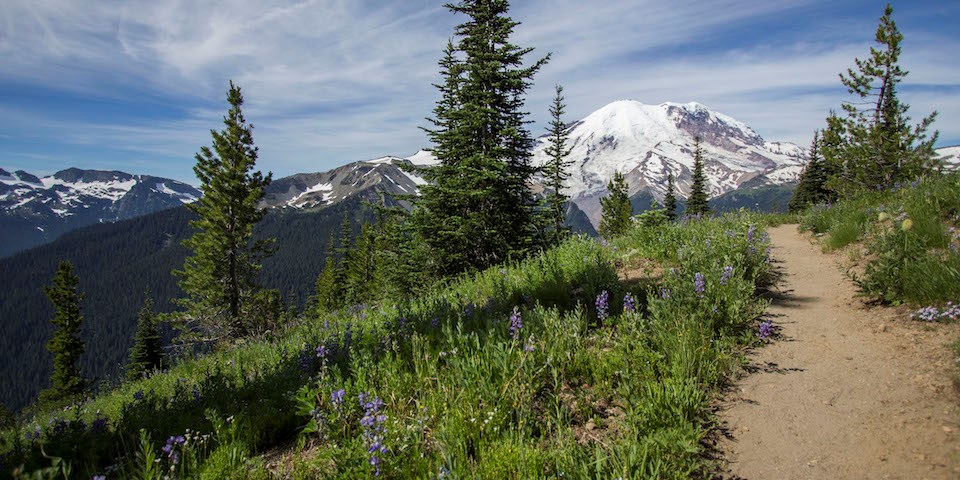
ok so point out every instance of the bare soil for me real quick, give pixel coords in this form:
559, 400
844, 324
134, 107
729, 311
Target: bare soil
844, 390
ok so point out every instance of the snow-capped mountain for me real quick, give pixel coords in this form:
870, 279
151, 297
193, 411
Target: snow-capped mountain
365, 179
951, 156
35, 210
646, 143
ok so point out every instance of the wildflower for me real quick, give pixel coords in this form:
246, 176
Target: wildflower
59, 425
516, 322
665, 293
138, 395
699, 284
337, 397
629, 303
468, 311
766, 329
99, 477
906, 225
374, 430
100, 424
725, 276
169, 449
603, 306
196, 395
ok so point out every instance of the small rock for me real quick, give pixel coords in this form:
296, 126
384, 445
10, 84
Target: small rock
590, 426
947, 429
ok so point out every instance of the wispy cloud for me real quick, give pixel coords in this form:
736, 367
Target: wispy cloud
332, 81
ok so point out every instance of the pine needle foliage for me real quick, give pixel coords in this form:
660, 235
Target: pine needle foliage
697, 201
812, 186
555, 172
617, 212
219, 277
477, 210
146, 355
670, 199
875, 145
67, 347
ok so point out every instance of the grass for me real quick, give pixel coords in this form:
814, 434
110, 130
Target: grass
453, 384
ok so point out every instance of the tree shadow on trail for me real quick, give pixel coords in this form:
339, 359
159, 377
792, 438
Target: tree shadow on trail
786, 298
770, 367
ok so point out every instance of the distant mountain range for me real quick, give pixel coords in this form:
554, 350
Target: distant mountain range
35, 210
644, 142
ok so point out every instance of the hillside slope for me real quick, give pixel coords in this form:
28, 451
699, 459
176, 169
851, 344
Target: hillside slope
119, 264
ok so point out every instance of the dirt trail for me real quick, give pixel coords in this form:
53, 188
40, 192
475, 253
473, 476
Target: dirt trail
846, 391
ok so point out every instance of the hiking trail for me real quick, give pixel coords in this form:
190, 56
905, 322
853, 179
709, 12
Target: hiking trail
844, 390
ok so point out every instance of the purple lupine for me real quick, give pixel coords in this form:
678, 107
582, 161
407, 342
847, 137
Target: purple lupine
766, 329
170, 448
100, 424
336, 398
603, 305
665, 293
138, 395
750, 233
629, 303
374, 430
699, 284
98, 477
59, 425
725, 276
516, 322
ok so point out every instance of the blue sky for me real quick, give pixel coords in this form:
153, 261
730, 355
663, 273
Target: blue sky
137, 85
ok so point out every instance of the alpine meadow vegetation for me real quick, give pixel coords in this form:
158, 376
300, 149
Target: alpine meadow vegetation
550, 366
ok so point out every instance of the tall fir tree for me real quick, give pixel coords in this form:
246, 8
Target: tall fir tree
219, 277
146, 355
67, 347
617, 211
670, 199
878, 147
697, 201
555, 172
478, 210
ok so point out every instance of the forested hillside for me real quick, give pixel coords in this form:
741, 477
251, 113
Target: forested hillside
119, 265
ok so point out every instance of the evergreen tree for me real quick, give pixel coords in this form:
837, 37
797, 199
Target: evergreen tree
146, 355
66, 346
617, 210
360, 274
478, 210
878, 147
219, 278
399, 261
327, 295
555, 172
670, 200
812, 186
697, 201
